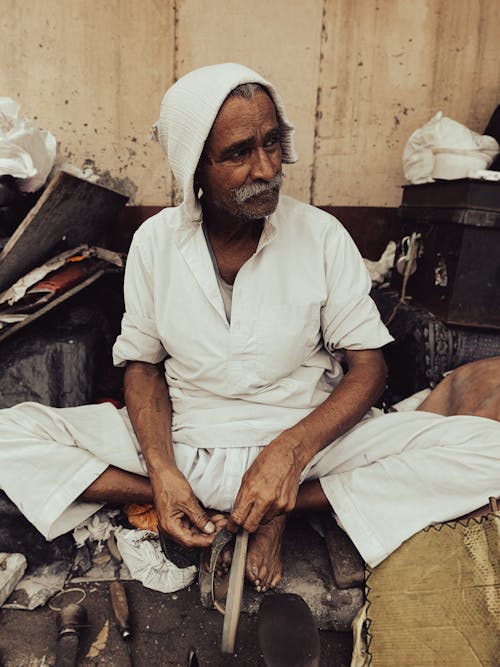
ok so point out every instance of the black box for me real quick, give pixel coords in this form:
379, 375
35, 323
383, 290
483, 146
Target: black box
460, 193
457, 251
425, 347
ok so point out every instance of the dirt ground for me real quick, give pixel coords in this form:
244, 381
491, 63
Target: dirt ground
164, 627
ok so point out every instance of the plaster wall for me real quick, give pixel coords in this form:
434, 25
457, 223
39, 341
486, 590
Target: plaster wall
358, 76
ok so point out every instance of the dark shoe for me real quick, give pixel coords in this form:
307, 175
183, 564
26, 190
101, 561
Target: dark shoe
287, 632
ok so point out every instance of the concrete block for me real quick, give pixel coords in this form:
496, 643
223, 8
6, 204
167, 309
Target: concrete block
347, 565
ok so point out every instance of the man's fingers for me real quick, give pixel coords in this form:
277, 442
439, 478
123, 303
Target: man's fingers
180, 531
248, 518
187, 539
200, 518
232, 526
253, 520
238, 516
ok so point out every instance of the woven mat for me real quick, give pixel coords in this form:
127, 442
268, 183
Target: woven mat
436, 600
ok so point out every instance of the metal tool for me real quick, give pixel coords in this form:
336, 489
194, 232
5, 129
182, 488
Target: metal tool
192, 658
118, 596
231, 609
69, 622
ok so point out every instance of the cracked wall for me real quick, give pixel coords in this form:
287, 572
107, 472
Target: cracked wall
357, 76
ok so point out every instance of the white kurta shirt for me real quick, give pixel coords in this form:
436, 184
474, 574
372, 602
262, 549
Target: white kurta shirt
303, 296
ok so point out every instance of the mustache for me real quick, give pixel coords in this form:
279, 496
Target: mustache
244, 192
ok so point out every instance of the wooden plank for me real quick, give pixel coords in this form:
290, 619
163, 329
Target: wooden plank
71, 211
234, 593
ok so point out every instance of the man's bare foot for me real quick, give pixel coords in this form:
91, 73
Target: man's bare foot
263, 567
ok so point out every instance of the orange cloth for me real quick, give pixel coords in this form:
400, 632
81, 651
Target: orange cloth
143, 517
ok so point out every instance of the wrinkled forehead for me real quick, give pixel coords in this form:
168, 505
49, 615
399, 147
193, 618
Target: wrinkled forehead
240, 115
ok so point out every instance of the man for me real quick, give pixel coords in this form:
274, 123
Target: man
241, 304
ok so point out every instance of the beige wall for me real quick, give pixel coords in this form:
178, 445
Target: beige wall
358, 76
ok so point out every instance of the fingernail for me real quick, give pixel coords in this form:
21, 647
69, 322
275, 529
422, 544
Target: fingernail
209, 528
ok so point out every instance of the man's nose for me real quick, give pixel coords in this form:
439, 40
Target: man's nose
262, 166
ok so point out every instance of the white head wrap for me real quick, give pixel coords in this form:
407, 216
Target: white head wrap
188, 111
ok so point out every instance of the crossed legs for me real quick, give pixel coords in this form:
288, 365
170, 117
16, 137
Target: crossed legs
264, 550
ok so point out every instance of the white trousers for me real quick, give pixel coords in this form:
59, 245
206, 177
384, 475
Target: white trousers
386, 479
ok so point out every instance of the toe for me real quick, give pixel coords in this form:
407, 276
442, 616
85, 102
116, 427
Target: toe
262, 575
275, 580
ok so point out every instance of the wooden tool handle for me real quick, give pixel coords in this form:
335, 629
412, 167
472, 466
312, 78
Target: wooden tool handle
234, 593
120, 607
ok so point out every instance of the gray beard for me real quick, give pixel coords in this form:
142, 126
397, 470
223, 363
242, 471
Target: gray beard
242, 197
244, 192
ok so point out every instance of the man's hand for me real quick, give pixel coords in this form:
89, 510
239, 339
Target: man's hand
179, 513
150, 410
269, 487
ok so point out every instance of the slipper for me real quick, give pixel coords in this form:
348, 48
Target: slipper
212, 590
287, 632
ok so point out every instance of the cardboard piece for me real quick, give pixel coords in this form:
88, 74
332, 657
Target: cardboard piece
436, 600
46, 286
71, 211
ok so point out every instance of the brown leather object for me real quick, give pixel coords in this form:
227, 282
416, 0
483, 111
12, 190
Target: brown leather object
63, 279
472, 389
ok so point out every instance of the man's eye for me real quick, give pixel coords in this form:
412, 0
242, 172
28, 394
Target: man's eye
271, 142
237, 156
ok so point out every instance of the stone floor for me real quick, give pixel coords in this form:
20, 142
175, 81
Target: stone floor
166, 625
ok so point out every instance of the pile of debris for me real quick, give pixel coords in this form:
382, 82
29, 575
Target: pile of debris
55, 253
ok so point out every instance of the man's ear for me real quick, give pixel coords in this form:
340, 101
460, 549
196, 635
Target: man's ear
198, 180
204, 161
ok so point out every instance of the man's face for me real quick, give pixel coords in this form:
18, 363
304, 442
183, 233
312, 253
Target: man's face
240, 170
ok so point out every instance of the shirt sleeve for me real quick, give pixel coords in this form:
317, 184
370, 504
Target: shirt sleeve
349, 318
139, 339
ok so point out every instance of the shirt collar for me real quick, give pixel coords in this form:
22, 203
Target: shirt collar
191, 222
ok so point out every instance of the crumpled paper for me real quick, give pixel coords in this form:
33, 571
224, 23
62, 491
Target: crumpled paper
380, 269
97, 527
142, 554
443, 135
26, 152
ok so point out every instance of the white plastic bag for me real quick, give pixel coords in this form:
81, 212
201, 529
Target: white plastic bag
26, 152
142, 554
444, 148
